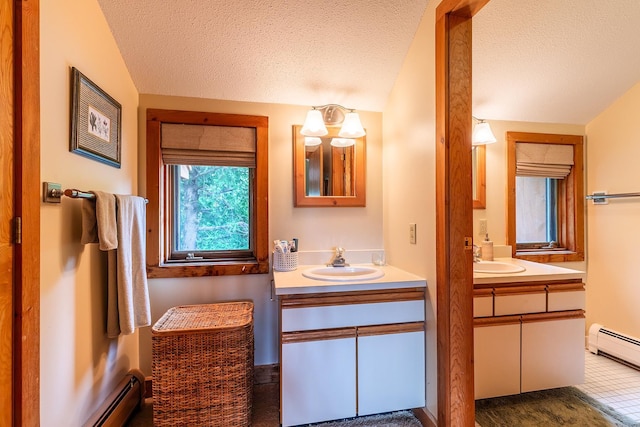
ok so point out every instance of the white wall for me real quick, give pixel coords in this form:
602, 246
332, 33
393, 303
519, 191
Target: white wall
317, 229
613, 230
79, 366
409, 176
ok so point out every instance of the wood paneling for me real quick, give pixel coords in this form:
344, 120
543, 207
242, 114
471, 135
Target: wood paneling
26, 337
454, 212
6, 210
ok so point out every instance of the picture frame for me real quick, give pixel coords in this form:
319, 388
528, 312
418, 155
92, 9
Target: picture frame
95, 121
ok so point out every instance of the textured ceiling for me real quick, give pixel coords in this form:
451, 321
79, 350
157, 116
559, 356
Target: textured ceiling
560, 61
294, 52
555, 61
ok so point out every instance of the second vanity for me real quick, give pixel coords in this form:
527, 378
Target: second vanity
529, 329
350, 348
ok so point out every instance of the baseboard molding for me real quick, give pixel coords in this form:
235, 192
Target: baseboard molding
425, 417
266, 374
120, 403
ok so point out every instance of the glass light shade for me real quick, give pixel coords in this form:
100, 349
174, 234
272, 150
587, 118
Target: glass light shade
351, 127
314, 124
482, 134
343, 142
311, 141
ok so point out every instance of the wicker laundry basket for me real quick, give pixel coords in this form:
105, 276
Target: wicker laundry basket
203, 365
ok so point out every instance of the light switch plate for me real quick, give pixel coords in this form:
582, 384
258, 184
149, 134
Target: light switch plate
412, 234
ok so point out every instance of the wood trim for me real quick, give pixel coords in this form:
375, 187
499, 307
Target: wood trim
156, 222
565, 287
27, 256
555, 315
346, 298
266, 374
454, 215
570, 199
481, 177
514, 284
395, 328
520, 290
317, 335
302, 200
425, 417
479, 322
482, 292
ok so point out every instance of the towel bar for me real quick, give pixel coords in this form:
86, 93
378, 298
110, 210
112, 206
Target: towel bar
599, 198
52, 193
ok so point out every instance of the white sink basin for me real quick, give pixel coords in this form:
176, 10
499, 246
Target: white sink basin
343, 274
496, 267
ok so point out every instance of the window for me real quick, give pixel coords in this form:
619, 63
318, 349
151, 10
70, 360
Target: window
545, 201
207, 189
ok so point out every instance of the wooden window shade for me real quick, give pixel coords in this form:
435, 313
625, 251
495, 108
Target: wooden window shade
544, 160
184, 144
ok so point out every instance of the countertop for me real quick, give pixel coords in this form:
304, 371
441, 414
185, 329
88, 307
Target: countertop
534, 271
293, 282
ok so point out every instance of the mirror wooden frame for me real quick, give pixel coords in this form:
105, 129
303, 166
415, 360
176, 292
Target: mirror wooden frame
480, 178
299, 196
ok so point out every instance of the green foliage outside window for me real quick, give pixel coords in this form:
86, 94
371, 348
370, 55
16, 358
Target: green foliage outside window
213, 208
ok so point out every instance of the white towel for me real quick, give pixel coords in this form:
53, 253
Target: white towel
99, 221
132, 309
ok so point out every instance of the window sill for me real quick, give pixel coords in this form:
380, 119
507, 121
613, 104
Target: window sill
206, 269
549, 256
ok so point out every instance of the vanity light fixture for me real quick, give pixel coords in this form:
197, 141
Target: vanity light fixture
482, 133
343, 142
312, 141
332, 114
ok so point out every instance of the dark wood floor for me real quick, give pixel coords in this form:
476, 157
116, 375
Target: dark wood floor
266, 404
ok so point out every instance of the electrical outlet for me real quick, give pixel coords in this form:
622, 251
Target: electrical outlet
412, 234
482, 227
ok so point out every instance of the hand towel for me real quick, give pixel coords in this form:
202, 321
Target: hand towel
89, 222
106, 218
132, 309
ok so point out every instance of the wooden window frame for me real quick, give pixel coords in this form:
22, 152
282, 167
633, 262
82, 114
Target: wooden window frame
570, 200
157, 183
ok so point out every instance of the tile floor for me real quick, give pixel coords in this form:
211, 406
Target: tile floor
613, 384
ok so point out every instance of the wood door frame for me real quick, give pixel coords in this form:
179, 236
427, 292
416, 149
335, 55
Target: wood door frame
26, 329
454, 212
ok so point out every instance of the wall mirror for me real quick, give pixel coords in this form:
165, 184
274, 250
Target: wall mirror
478, 153
327, 171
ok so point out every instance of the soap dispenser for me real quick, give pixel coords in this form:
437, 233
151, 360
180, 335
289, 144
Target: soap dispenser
487, 249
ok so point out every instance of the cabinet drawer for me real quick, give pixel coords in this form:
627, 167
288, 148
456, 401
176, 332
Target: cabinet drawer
483, 303
340, 316
566, 297
520, 300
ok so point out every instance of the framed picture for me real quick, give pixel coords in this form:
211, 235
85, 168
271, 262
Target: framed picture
95, 121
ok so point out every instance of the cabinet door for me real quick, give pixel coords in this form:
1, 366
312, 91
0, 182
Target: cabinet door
318, 379
496, 357
552, 352
391, 368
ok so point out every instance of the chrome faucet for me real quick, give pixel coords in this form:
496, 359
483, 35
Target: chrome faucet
338, 258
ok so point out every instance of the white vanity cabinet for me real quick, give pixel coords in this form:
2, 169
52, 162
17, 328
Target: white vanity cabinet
534, 340
345, 354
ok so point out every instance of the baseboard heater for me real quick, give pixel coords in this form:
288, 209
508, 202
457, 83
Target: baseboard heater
121, 403
618, 346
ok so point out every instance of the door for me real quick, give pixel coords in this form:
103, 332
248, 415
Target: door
19, 198
552, 352
7, 89
496, 356
318, 375
391, 368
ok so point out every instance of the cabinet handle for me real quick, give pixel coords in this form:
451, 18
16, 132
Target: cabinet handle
396, 328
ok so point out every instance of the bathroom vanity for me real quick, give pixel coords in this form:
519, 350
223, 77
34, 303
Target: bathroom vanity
529, 329
350, 347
